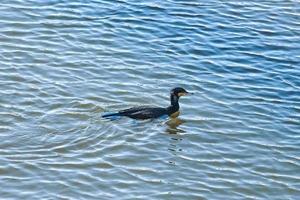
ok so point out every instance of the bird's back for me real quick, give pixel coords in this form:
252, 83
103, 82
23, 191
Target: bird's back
143, 112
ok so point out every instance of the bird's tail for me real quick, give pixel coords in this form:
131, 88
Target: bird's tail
111, 115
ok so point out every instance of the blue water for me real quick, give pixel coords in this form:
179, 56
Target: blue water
65, 63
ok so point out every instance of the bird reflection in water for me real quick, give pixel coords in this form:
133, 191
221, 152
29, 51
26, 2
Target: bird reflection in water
173, 125
175, 138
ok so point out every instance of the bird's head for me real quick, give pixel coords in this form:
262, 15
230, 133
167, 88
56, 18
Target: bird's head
178, 92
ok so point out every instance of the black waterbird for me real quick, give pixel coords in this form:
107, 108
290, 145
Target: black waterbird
145, 112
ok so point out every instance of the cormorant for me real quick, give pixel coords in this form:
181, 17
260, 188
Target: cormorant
144, 112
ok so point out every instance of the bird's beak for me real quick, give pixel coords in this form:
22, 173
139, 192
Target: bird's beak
189, 93
184, 93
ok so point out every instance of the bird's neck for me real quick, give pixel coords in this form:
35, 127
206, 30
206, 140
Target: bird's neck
174, 100
174, 107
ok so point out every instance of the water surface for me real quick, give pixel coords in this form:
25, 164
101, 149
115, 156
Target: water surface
64, 63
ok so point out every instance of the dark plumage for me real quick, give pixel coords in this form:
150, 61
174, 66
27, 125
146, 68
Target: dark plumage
144, 112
